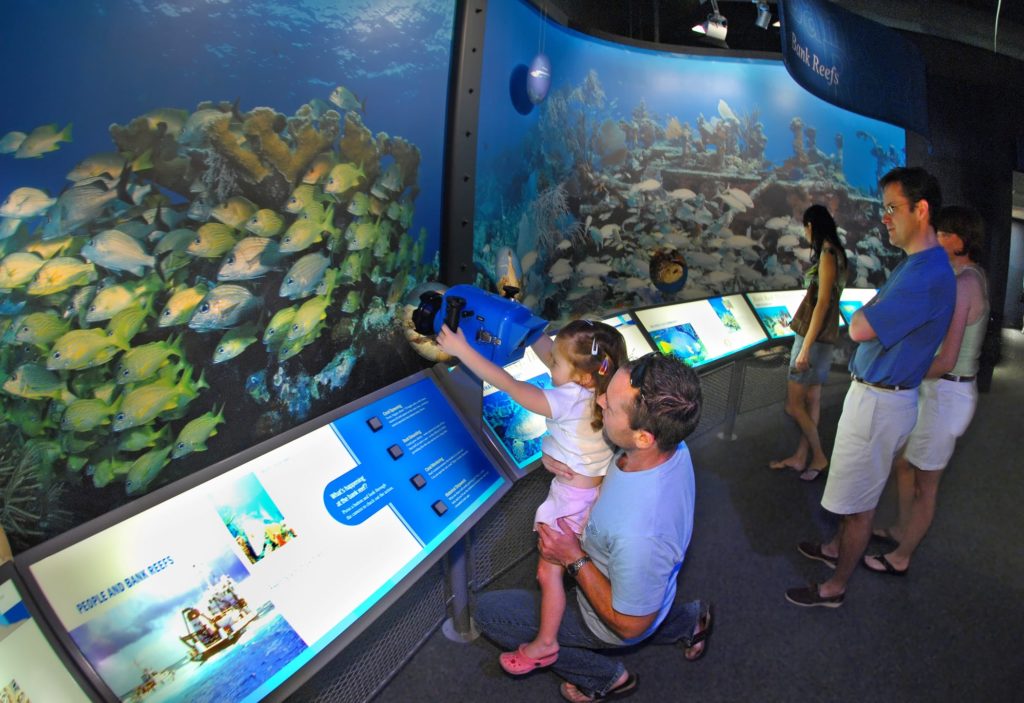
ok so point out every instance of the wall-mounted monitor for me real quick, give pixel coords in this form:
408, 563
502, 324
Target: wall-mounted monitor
853, 299
703, 331
30, 667
228, 590
517, 433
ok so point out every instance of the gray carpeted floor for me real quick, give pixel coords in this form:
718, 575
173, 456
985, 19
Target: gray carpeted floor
948, 631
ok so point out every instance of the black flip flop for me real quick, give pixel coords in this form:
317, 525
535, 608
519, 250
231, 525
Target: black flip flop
887, 568
701, 636
623, 690
884, 535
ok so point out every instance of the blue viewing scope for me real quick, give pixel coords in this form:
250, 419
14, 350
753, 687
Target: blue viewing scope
499, 328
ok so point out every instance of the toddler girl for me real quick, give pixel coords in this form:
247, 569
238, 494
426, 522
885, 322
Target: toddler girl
582, 359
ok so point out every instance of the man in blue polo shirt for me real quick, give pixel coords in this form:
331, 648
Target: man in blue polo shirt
899, 331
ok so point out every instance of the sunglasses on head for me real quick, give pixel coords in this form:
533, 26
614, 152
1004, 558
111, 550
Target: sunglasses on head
638, 374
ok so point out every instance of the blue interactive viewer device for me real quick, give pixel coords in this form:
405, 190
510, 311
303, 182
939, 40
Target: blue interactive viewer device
499, 328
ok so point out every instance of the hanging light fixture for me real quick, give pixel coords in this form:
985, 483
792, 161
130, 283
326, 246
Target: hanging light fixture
538, 76
715, 26
764, 15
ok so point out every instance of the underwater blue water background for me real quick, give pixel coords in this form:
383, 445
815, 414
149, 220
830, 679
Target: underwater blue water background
96, 63
670, 85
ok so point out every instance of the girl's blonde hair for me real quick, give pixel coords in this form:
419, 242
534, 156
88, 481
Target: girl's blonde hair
596, 349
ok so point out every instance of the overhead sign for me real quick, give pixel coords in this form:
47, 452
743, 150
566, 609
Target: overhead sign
854, 63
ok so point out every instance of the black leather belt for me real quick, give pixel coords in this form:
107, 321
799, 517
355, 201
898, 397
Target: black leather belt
882, 386
958, 379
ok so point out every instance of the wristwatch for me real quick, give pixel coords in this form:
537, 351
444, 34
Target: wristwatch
574, 568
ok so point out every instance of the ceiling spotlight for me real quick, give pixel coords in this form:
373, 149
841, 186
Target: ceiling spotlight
715, 26
764, 15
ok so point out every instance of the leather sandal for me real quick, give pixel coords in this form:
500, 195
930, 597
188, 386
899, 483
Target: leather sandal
701, 637
574, 694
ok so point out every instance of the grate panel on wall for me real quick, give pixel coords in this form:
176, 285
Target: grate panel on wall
764, 380
369, 661
505, 535
714, 387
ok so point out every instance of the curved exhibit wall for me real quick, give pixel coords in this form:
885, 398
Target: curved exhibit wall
648, 177
211, 213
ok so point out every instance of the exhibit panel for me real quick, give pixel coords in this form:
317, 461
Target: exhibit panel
853, 299
30, 669
517, 431
229, 589
636, 343
775, 310
702, 331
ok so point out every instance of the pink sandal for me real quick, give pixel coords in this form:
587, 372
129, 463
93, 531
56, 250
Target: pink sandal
518, 662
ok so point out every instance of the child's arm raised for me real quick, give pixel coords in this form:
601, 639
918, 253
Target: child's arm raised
526, 394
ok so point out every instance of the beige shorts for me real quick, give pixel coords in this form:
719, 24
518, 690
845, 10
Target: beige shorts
944, 410
872, 430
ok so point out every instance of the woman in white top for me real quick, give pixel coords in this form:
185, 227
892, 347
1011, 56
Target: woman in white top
947, 397
582, 358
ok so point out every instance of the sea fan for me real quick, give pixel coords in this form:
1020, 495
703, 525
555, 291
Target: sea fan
28, 512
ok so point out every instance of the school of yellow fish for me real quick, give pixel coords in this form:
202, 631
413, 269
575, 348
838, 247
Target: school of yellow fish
120, 292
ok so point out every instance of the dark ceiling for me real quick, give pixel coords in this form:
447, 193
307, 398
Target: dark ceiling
670, 21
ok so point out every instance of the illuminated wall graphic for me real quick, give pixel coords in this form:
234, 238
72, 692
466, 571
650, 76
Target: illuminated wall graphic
639, 161
211, 212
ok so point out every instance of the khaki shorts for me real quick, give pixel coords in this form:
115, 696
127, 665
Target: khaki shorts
873, 428
944, 410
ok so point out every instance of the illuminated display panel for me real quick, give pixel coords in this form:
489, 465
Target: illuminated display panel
775, 309
636, 343
30, 669
224, 591
519, 432
703, 331
853, 299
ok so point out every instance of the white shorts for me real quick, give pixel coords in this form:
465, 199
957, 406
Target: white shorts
944, 410
567, 501
872, 430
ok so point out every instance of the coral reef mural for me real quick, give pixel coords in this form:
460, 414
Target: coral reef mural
213, 252
648, 177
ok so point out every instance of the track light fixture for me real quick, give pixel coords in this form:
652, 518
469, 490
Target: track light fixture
715, 26
764, 15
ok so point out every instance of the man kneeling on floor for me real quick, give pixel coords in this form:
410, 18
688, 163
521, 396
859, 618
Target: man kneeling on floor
626, 562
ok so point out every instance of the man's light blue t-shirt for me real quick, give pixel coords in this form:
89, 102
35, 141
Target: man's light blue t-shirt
637, 535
